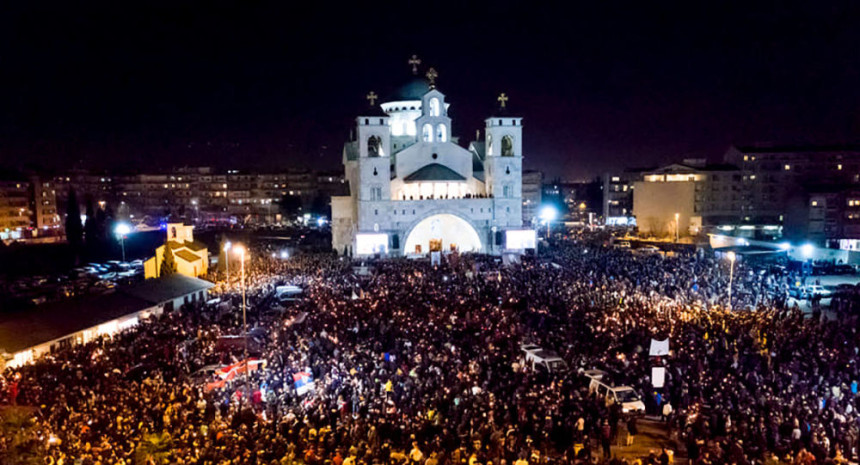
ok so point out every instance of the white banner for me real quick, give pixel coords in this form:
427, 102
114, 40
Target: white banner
658, 376
659, 348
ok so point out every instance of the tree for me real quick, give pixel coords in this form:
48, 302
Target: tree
21, 445
222, 255
154, 448
90, 227
74, 228
291, 205
168, 263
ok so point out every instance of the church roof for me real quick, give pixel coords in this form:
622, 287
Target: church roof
195, 246
413, 90
187, 256
434, 172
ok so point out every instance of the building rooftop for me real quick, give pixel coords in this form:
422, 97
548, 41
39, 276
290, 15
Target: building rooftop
31, 327
786, 148
434, 172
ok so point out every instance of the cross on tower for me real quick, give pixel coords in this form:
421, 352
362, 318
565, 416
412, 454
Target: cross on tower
371, 97
503, 99
431, 76
414, 61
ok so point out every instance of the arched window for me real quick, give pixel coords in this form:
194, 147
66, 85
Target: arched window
442, 133
507, 146
374, 147
427, 133
434, 106
489, 144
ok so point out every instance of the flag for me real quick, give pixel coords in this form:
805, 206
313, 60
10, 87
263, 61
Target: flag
304, 382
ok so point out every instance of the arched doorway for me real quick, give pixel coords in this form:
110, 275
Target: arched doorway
442, 232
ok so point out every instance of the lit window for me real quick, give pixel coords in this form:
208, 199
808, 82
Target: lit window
427, 133
746, 158
787, 167
838, 167
752, 177
434, 107
814, 203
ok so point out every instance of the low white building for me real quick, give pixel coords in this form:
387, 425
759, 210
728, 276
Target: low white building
413, 189
32, 333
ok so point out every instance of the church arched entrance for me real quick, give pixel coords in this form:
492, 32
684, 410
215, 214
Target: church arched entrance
442, 232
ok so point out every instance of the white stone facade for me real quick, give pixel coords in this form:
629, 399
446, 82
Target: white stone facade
411, 183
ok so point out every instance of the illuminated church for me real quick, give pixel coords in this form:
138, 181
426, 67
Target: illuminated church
414, 189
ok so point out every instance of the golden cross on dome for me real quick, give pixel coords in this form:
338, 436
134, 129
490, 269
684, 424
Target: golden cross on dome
371, 97
431, 76
414, 61
503, 99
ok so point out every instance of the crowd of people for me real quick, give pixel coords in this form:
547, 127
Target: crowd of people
414, 364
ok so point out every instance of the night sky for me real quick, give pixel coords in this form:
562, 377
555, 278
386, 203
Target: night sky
601, 85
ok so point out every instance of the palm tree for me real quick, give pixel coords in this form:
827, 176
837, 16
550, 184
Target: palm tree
154, 448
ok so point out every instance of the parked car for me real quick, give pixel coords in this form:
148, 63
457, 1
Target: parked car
537, 358
626, 396
817, 290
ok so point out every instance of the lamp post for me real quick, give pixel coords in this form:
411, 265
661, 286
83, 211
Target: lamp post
677, 226
731, 256
122, 230
240, 250
227, 246
548, 214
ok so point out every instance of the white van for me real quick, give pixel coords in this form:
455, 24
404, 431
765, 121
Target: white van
625, 396
537, 358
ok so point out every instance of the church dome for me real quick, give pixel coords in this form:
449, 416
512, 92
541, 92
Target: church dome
412, 90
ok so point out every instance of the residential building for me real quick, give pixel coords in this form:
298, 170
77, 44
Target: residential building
687, 198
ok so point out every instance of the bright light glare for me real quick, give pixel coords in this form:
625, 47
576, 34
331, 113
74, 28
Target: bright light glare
239, 250
784, 246
122, 229
285, 255
807, 250
227, 246
731, 256
548, 213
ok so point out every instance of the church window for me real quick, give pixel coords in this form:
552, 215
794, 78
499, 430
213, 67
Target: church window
500, 122
507, 146
489, 144
374, 148
514, 122
366, 121
381, 121
434, 156
508, 209
507, 170
442, 133
427, 133
434, 106
376, 193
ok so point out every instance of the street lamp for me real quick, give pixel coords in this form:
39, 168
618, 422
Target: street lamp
240, 251
122, 230
677, 226
227, 246
548, 213
731, 256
